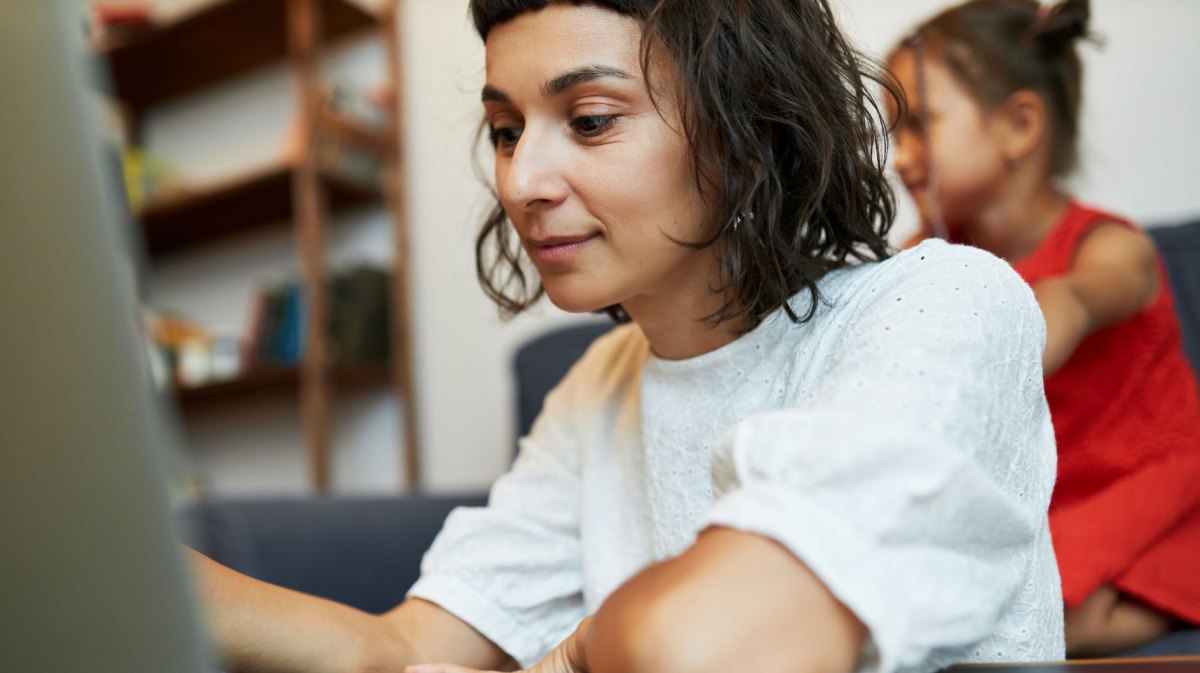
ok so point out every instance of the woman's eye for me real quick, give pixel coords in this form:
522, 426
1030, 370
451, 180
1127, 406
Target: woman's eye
504, 137
590, 126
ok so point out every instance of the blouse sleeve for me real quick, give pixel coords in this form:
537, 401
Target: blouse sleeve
914, 479
512, 570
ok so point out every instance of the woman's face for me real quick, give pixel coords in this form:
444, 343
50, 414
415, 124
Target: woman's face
945, 127
593, 177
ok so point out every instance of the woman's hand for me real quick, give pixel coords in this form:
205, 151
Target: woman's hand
566, 658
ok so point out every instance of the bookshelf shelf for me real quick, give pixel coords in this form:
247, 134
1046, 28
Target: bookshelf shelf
246, 202
277, 380
218, 41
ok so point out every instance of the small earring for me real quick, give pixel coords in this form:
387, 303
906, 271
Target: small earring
1012, 163
742, 217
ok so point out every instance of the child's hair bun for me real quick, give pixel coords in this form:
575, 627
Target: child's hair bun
1059, 24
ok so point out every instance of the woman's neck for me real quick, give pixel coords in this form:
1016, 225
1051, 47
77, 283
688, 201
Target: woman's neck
680, 341
673, 319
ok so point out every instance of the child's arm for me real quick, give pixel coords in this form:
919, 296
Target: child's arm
1114, 275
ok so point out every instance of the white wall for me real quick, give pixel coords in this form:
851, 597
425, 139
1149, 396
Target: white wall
1139, 158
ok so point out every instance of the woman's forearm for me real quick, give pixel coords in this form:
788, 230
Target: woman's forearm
262, 628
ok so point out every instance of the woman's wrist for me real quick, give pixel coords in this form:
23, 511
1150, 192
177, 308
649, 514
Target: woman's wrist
576, 650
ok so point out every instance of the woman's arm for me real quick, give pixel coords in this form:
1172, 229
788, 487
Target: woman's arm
260, 627
1114, 275
735, 601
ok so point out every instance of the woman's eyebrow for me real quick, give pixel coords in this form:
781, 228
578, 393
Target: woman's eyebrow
492, 94
562, 83
573, 78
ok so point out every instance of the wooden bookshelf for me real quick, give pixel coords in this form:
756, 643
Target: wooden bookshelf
272, 380
254, 200
213, 43
221, 40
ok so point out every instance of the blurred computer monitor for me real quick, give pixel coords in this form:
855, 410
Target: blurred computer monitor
91, 578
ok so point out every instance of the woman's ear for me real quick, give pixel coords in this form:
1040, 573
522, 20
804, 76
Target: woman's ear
1024, 126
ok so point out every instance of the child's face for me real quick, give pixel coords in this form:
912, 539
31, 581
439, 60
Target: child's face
593, 178
949, 138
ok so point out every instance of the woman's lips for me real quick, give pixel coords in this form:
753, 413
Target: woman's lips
559, 249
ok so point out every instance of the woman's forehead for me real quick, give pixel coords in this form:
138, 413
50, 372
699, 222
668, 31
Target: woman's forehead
542, 44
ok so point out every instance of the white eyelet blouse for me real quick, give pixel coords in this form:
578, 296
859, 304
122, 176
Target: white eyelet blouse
898, 443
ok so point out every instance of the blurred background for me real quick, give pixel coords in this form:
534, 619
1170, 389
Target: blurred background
230, 150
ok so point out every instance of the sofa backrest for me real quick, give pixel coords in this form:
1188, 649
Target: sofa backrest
1179, 246
365, 552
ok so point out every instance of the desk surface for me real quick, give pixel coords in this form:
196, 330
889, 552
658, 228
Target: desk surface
1162, 665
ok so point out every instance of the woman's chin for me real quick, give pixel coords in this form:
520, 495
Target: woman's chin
573, 301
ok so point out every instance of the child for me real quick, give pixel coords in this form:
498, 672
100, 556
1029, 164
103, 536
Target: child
993, 89
799, 454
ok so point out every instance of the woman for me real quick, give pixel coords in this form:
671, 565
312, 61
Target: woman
800, 454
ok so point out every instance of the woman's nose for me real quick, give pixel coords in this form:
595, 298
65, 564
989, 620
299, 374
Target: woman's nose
532, 177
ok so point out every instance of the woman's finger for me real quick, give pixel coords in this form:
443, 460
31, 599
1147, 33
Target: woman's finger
442, 668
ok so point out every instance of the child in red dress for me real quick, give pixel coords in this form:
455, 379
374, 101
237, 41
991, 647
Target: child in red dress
993, 91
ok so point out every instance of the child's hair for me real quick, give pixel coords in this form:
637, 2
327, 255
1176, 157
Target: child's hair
785, 139
995, 48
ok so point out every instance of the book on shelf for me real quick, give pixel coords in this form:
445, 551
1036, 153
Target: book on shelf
360, 316
109, 21
358, 325
358, 328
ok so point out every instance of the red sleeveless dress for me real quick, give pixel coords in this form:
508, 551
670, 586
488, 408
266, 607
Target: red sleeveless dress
1126, 411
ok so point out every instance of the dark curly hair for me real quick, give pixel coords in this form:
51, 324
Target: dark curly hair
787, 142
995, 48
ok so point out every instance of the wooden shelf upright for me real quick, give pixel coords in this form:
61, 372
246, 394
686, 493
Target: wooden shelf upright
223, 39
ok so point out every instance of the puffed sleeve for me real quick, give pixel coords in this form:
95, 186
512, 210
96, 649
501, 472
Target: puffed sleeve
914, 478
512, 569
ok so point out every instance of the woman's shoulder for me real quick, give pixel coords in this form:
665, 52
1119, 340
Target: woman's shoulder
957, 303
935, 272
611, 355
